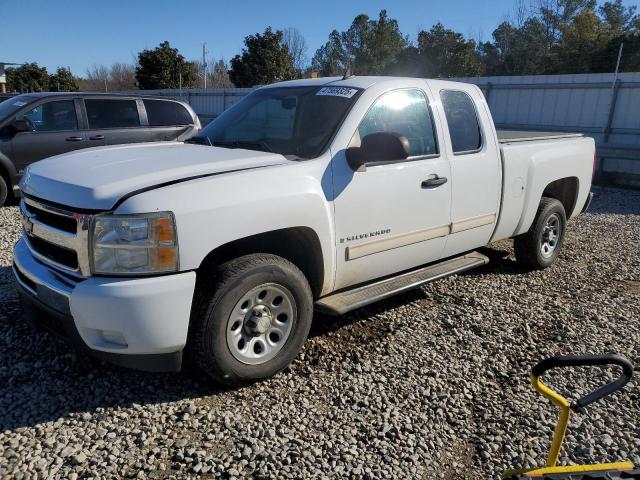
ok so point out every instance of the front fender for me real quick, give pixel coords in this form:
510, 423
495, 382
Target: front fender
211, 212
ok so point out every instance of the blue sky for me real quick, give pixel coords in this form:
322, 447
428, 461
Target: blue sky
78, 34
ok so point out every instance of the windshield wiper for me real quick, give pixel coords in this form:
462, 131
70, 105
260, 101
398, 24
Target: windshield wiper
261, 146
199, 141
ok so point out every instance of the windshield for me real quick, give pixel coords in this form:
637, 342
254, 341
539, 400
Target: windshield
297, 121
13, 104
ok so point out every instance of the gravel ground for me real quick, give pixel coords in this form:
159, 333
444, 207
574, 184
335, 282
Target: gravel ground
430, 384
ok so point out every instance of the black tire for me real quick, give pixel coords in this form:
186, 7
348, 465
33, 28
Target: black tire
216, 297
529, 246
4, 191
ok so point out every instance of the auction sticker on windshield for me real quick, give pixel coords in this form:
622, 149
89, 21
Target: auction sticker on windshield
337, 92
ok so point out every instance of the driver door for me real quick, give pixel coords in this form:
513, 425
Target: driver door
390, 217
54, 130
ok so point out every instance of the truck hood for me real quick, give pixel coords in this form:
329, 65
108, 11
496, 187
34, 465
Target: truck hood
96, 178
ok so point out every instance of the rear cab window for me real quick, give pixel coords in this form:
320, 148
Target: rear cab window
112, 113
165, 113
462, 119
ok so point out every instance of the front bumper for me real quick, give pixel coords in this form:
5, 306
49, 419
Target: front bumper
138, 323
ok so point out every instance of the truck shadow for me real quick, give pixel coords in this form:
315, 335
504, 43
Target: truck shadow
43, 379
501, 261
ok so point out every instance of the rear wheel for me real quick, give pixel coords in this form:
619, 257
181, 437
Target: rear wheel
251, 318
540, 246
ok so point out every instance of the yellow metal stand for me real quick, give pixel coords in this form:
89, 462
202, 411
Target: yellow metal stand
558, 437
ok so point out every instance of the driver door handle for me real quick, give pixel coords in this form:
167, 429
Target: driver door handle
74, 139
97, 137
436, 181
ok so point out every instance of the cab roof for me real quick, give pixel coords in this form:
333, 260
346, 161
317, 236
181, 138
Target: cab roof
354, 81
36, 95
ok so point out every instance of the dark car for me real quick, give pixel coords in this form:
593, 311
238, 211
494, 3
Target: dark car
6, 96
34, 126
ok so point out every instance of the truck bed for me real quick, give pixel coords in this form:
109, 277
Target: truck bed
509, 136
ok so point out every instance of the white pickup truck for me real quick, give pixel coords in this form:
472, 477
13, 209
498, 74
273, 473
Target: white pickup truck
325, 193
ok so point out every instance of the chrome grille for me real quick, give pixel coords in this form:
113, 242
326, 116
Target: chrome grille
56, 236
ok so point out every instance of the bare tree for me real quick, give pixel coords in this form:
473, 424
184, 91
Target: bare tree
297, 45
97, 79
120, 76
123, 77
522, 12
217, 73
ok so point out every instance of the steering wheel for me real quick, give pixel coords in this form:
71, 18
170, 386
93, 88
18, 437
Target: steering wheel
30, 124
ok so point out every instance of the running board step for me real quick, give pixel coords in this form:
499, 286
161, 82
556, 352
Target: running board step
345, 301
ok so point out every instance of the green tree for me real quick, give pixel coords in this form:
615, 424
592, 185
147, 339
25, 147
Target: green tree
557, 15
331, 58
408, 63
265, 59
520, 50
63, 81
620, 19
368, 47
27, 78
164, 67
622, 25
445, 53
581, 42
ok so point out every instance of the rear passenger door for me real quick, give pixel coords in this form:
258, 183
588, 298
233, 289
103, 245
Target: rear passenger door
54, 130
168, 120
475, 169
114, 121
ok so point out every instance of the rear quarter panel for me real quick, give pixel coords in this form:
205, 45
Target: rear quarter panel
529, 167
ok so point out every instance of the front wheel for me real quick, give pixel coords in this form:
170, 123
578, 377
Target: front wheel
540, 246
251, 318
4, 191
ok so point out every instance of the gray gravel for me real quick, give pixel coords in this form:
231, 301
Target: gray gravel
431, 384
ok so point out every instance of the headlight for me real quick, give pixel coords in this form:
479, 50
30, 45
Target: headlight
134, 244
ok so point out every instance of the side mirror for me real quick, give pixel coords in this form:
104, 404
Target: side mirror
378, 149
20, 126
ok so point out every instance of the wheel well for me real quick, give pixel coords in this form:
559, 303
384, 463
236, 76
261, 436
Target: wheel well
5, 174
565, 190
299, 245
7, 179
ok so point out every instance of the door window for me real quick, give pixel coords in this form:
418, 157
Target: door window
406, 113
464, 127
163, 113
52, 116
112, 113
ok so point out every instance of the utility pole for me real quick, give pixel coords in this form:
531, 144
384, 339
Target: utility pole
615, 76
204, 64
